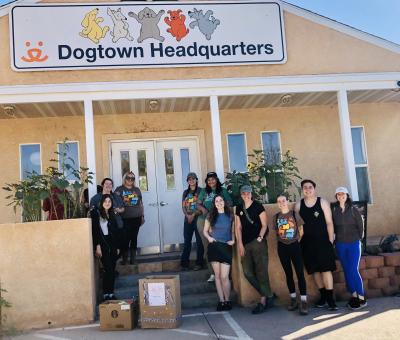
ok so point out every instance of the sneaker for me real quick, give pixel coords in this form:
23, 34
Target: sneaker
211, 278
332, 306
112, 297
321, 303
227, 305
260, 308
363, 303
354, 303
303, 310
293, 305
220, 306
197, 267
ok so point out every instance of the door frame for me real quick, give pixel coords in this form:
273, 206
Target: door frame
162, 248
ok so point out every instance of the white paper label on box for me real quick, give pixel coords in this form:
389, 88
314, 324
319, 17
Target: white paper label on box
156, 294
125, 307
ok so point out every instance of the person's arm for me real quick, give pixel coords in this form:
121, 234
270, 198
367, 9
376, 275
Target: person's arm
96, 233
206, 232
328, 219
301, 232
359, 221
231, 242
200, 205
297, 207
119, 204
238, 234
264, 226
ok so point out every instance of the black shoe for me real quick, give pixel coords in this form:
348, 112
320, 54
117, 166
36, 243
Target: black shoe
220, 306
112, 297
227, 305
197, 267
332, 306
260, 308
184, 268
322, 300
363, 303
354, 303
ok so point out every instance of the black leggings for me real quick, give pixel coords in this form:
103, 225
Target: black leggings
288, 254
108, 260
131, 229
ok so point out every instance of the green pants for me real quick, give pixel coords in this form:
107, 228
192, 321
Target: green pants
255, 266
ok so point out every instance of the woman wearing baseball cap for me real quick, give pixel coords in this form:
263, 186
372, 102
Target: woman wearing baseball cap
349, 230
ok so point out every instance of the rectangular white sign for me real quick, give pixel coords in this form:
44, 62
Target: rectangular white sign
156, 294
145, 34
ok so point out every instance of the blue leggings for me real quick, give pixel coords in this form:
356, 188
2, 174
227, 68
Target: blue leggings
349, 255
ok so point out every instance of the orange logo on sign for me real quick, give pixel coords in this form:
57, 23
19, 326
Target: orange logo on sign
34, 54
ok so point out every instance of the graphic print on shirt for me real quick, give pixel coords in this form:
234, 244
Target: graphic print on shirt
286, 228
130, 198
190, 202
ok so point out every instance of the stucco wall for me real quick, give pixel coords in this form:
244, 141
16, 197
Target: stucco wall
311, 49
312, 133
47, 269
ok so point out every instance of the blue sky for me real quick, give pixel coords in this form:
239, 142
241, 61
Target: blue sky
378, 17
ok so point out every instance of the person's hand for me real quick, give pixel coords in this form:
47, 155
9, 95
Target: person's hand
231, 242
142, 222
118, 251
211, 239
242, 251
98, 252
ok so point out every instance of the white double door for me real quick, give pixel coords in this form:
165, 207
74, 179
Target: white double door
161, 167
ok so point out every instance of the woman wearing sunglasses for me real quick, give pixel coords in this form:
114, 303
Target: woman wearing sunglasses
133, 215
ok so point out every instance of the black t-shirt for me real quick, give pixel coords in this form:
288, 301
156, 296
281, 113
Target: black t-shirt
250, 231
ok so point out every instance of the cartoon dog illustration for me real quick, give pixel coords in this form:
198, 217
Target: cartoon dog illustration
205, 22
177, 23
121, 27
92, 29
149, 21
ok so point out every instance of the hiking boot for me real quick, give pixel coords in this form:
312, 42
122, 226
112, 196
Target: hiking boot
354, 303
220, 306
332, 305
303, 310
260, 308
321, 303
293, 305
227, 305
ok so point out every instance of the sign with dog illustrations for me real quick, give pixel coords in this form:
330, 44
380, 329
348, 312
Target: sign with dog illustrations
133, 34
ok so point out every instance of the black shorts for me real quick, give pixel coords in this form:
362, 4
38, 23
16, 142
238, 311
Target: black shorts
318, 255
219, 252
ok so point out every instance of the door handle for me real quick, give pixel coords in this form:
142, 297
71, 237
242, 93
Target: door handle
162, 203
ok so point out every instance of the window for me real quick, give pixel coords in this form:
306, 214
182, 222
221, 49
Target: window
125, 162
68, 159
271, 145
30, 159
185, 165
169, 168
237, 152
361, 163
142, 169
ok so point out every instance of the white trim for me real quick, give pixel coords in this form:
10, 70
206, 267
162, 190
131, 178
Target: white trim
217, 139
245, 149
196, 87
20, 159
366, 165
347, 143
90, 147
340, 27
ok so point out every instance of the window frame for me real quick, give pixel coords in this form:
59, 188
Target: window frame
366, 165
58, 156
20, 158
279, 140
245, 149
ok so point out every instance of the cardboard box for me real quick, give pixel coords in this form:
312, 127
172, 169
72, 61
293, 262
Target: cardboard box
117, 315
160, 301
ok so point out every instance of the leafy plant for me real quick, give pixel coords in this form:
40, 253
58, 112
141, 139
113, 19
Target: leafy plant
3, 304
59, 186
269, 174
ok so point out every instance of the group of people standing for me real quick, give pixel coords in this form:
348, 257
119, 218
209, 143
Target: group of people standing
116, 219
307, 234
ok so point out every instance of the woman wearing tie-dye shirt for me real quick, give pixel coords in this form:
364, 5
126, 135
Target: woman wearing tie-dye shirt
133, 215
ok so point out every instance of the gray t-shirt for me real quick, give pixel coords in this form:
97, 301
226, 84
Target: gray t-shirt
132, 199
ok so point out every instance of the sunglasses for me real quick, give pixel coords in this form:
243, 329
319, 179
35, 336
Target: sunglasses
129, 178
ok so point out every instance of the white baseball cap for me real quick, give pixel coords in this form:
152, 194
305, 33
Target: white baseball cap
342, 189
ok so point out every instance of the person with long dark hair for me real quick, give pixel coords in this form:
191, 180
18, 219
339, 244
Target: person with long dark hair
205, 203
349, 230
106, 242
219, 233
133, 215
191, 212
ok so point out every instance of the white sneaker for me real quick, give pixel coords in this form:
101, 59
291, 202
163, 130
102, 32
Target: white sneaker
211, 278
